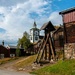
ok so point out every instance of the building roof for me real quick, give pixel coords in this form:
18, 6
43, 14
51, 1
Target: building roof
34, 26
3, 46
67, 10
60, 29
13, 47
45, 25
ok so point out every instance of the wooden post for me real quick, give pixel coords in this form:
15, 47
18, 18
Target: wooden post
49, 52
51, 47
40, 49
46, 52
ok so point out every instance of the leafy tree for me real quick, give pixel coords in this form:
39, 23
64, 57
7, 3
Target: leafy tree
24, 42
26, 35
18, 52
20, 43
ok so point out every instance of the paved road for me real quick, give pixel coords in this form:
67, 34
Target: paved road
5, 72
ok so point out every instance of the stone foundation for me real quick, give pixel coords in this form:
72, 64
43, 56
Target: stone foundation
69, 50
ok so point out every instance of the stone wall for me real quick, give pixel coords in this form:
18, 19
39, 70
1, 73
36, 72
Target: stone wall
69, 50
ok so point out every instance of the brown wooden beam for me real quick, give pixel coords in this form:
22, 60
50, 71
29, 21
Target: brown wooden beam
49, 52
52, 51
44, 46
46, 52
40, 49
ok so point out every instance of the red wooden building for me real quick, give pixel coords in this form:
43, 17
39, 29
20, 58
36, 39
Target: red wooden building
69, 31
4, 52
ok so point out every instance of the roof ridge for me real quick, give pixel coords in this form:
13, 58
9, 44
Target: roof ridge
67, 10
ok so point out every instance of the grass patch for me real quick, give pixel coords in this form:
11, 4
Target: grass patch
25, 62
66, 67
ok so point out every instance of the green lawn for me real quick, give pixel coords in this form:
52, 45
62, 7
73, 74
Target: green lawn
66, 67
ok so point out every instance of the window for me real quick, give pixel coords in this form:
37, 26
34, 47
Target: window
1, 55
31, 38
36, 33
36, 38
12, 55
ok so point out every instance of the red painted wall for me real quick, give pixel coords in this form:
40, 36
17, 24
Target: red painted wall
69, 17
4, 50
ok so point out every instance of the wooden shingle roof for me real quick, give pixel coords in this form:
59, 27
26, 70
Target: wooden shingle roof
3, 46
60, 29
44, 26
47, 25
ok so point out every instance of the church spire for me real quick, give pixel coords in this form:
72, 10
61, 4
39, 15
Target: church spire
34, 25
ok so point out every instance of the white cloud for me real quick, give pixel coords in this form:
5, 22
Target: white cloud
7, 3
17, 18
55, 18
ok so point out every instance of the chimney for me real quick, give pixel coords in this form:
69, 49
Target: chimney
3, 42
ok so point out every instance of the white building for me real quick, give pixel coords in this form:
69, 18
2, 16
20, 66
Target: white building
34, 33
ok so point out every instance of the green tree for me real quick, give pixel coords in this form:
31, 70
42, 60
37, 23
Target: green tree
18, 52
26, 35
24, 42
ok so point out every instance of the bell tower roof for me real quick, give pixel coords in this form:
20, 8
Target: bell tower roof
34, 25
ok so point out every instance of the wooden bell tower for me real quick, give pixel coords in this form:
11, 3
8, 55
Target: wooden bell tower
46, 49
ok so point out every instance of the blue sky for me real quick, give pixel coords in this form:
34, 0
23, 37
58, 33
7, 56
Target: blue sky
17, 16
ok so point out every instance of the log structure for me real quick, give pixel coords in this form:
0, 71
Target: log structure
46, 49
69, 32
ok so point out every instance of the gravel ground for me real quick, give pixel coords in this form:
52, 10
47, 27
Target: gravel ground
5, 72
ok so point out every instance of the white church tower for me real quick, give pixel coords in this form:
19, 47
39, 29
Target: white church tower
34, 33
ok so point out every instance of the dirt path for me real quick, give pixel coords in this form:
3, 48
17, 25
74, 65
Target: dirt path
9, 69
9, 66
6, 72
